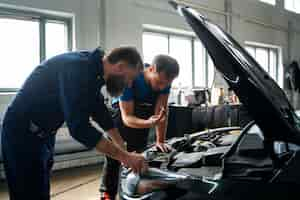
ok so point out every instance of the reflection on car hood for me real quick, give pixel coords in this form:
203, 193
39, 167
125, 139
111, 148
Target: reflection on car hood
264, 99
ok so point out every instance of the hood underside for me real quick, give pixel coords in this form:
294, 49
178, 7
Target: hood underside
264, 99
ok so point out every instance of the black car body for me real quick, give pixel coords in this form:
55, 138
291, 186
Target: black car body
261, 161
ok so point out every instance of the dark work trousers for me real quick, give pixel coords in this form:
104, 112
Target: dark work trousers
28, 159
136, 140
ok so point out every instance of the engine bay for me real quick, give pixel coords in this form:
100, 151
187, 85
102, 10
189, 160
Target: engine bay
208, 157
191, 157
195, 150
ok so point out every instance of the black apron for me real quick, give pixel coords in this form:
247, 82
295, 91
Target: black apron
136, 138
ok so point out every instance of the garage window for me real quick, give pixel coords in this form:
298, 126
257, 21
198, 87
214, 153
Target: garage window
268, 58
56, 38
272, 2
27, 39
292, 5
196, 68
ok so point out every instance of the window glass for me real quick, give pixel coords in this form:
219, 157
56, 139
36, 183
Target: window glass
181, 49
154, 44
56, 39
19, 50
200, 65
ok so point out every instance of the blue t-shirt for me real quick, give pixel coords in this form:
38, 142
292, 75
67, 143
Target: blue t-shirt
141, 92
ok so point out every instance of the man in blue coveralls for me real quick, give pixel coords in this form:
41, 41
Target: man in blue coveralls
65, 88
142, 106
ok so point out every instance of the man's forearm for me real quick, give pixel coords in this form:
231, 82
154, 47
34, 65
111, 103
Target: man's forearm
110, 149
161, 130
116, 137
135, 122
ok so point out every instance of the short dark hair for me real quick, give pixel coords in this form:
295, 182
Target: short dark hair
166, 64
130, 55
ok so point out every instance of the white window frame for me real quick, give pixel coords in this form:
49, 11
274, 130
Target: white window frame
278, 50
273, 3
293, 9
42, 18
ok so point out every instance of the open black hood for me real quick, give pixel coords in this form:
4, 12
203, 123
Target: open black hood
264, 99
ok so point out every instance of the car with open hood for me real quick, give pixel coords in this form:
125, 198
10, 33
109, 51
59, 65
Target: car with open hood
260, 161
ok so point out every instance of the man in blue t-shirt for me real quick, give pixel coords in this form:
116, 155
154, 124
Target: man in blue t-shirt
142, 105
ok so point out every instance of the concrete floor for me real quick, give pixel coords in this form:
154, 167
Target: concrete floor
77, 183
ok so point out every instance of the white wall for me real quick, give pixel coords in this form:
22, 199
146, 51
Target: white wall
295, 47
244, 30
125, 19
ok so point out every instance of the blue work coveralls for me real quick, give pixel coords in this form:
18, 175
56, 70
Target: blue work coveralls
65, 88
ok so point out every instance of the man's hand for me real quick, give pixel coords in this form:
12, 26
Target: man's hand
155, 119
136, 162
132, 160
163, 147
